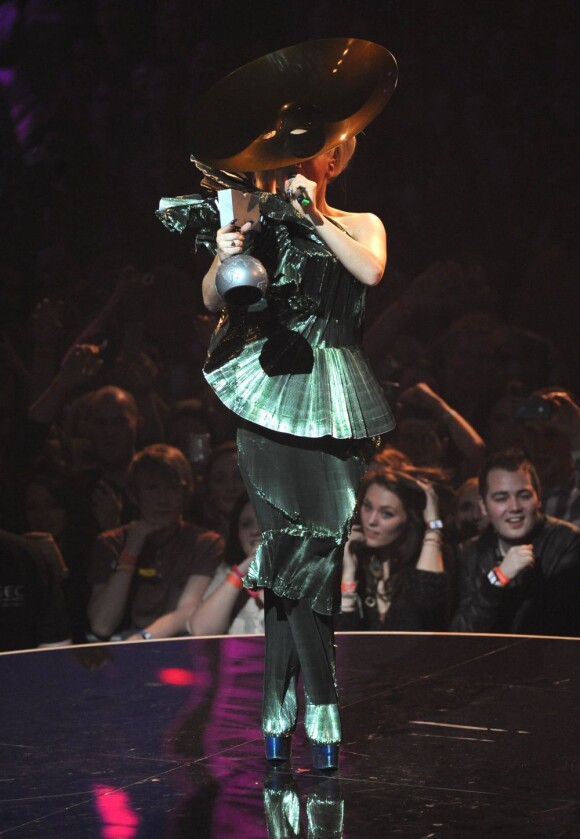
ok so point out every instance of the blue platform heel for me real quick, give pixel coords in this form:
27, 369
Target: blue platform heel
325, 756
277, 748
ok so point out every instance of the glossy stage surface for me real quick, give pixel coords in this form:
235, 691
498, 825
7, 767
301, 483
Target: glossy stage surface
445, 736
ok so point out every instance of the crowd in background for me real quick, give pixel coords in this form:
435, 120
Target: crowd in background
103, 405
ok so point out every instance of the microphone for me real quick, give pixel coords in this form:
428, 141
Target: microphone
303, 197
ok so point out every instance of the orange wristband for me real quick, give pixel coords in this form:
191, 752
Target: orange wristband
127, 559
234, 580
504, 580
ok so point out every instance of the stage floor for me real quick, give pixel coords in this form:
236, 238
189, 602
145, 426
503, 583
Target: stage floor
444, 736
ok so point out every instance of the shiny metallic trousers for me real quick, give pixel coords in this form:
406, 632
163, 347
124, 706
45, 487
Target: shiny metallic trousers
303, 493
299, 639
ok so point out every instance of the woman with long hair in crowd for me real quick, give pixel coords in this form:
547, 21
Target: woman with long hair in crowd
394, 576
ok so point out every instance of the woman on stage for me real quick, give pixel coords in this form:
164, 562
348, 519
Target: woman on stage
291, 367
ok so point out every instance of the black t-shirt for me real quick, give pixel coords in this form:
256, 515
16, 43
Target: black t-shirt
32, 607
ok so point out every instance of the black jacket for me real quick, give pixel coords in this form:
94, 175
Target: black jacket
421, 605
543, 600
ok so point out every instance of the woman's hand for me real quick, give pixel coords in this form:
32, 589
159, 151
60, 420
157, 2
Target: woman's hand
349, 559
299, 188
431, 511
231, 240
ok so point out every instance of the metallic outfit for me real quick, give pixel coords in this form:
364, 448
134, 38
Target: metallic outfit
292, 368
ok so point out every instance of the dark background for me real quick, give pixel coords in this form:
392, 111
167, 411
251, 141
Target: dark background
475, 154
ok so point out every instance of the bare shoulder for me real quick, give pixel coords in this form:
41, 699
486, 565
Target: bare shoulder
362, 226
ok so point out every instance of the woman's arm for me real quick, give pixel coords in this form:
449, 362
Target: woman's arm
431, 556
77, 369
211, 299
348, 585
214, 616
464, 435
230, 242
364, 252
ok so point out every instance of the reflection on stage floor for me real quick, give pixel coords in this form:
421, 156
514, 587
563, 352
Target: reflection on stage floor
444, 736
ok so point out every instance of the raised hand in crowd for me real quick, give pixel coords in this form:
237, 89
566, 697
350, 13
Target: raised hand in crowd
464, 436
564, 415
76, 372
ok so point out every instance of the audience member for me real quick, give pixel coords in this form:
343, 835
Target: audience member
112, 423
522, 575
158, 565
469, 517
501, 428
32, 607
186, 423
448, 337
470, 364
74, 375
228, 607
551, 427
393, 572
49, 511
431, 433
221, 488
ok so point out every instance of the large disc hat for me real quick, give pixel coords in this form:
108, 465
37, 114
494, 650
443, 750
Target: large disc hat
292, 104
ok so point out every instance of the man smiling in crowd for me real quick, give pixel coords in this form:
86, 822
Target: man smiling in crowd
522, 575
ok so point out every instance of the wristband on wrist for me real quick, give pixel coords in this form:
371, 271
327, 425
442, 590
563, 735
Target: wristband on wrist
495, 580
127, 559
435, 524
124, 566
234, 580
503, 578
348, 588
144, 633
235, 570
